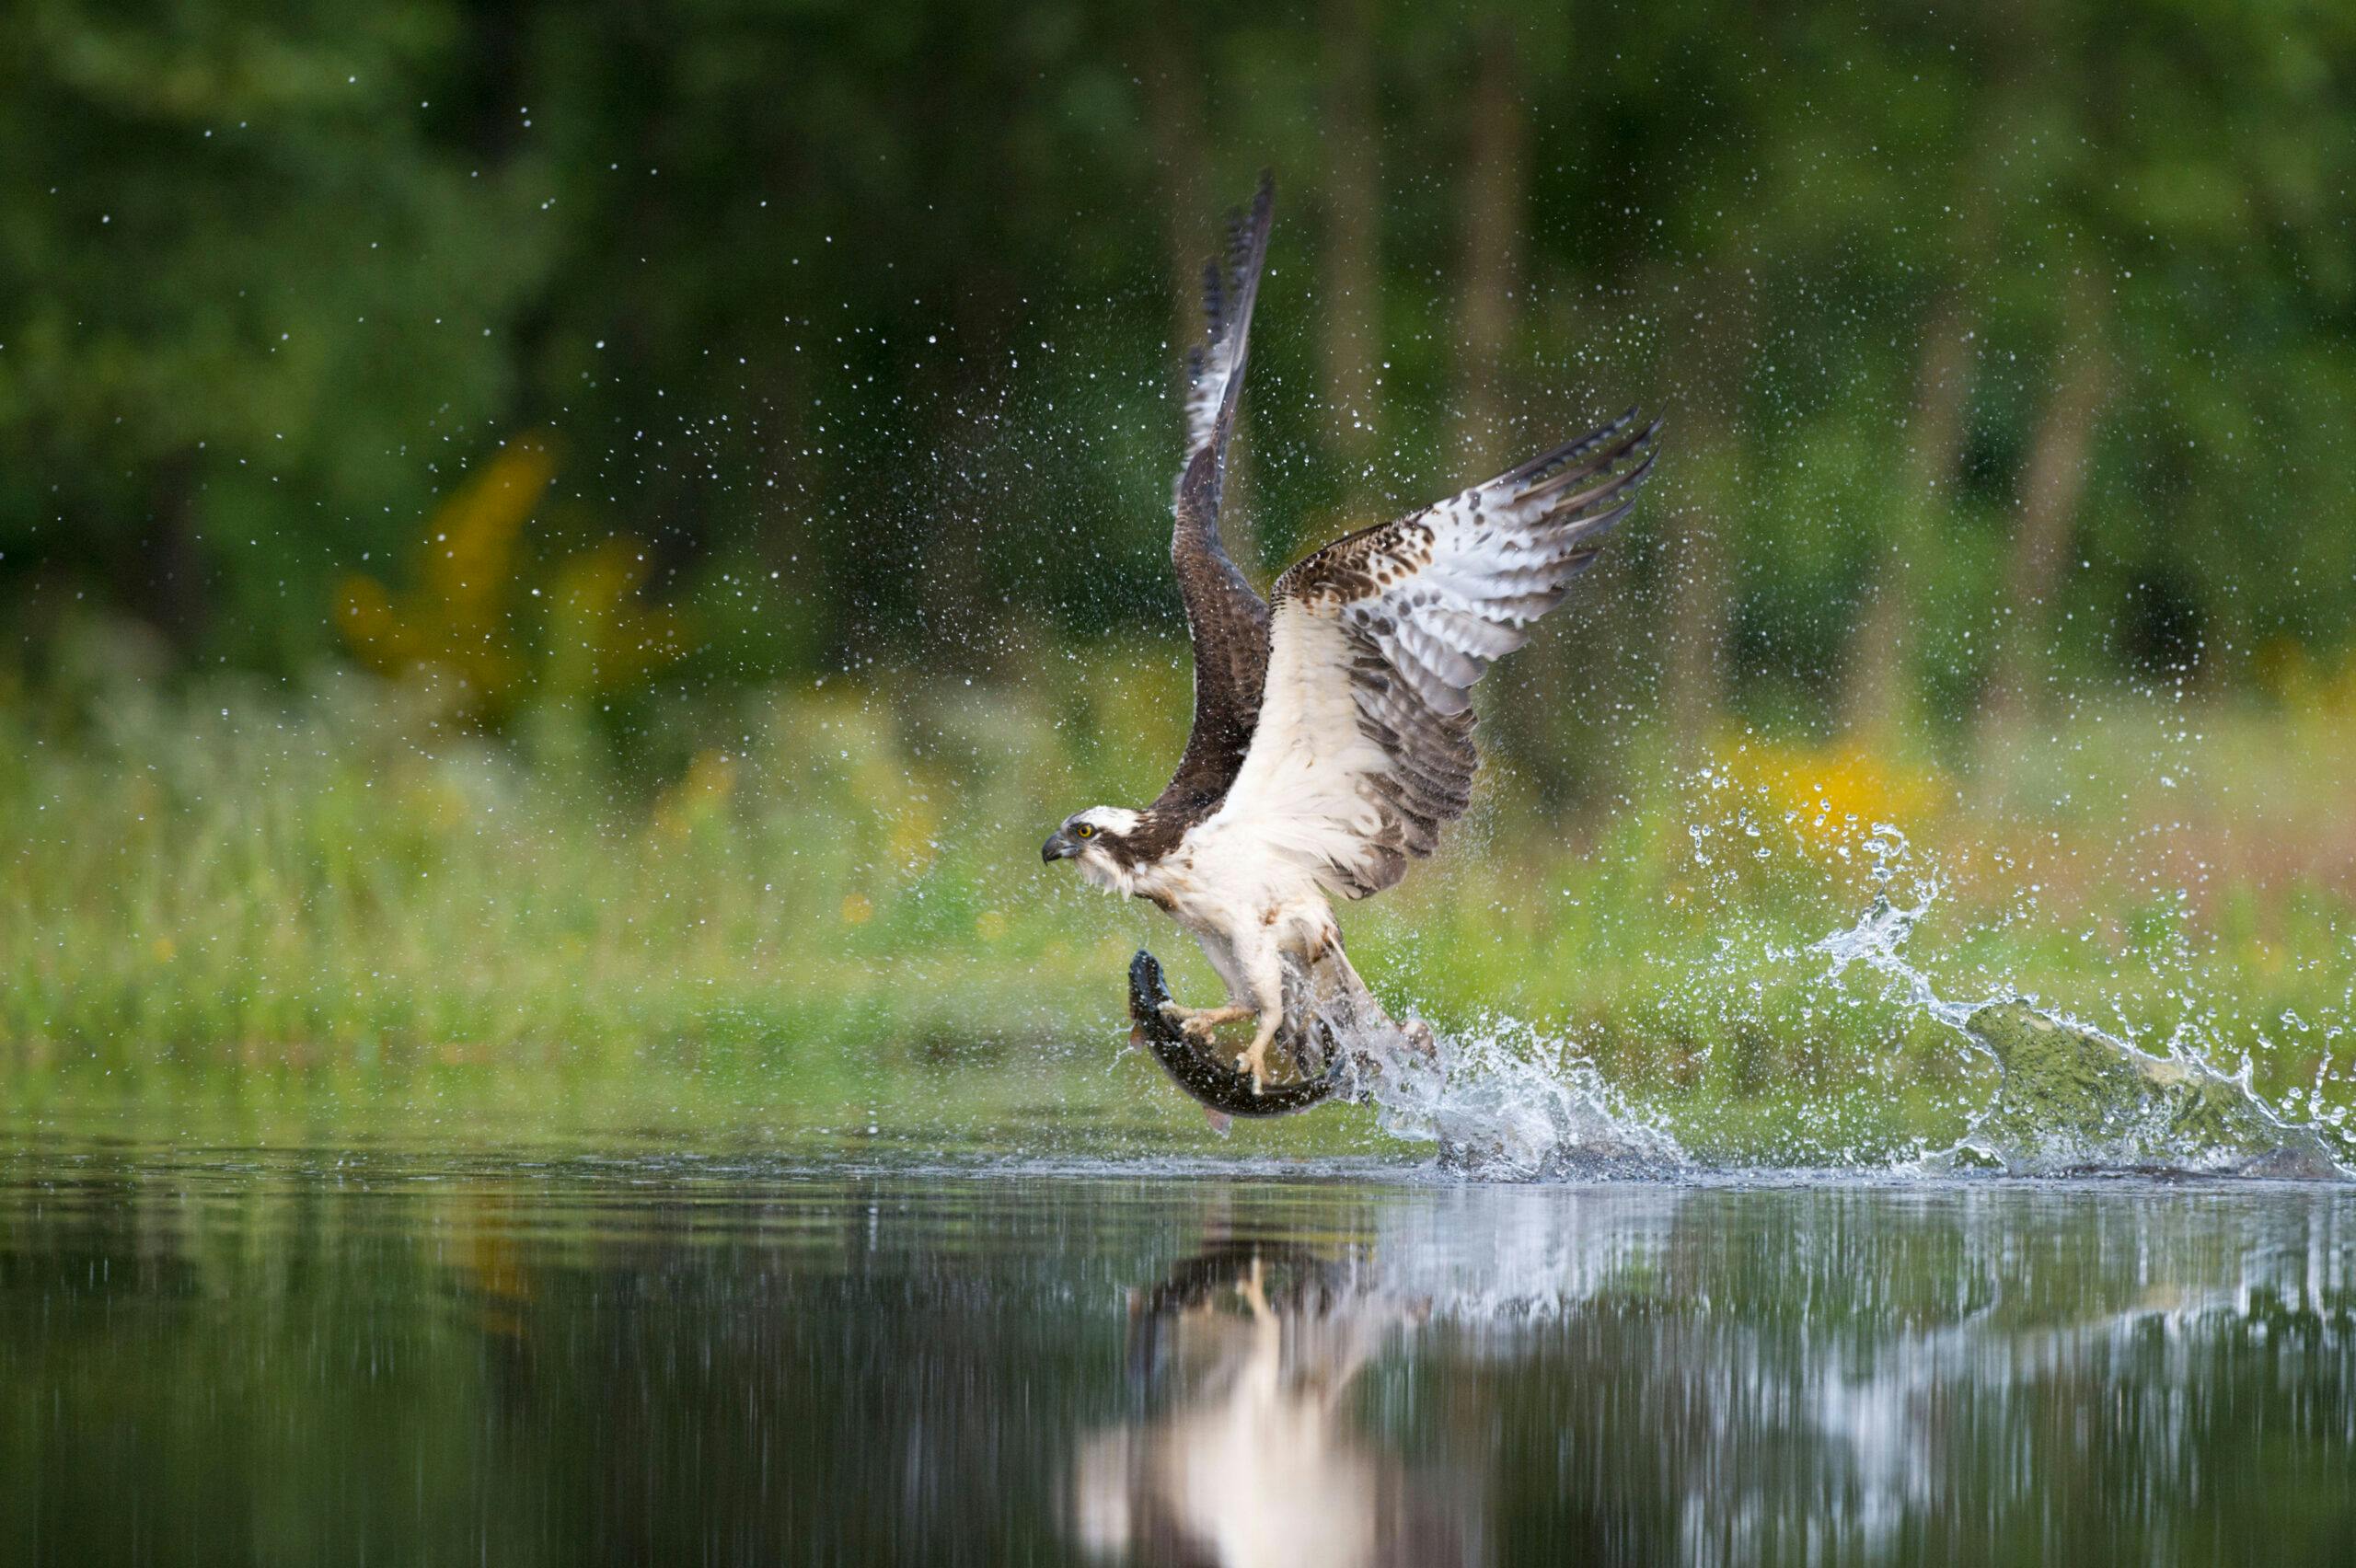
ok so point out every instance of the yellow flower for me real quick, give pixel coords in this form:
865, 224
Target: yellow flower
1830, 796
913, 834
455, 632
601, 638
455, 621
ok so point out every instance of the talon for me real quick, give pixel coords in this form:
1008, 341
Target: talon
1255, 1062
1199, 1023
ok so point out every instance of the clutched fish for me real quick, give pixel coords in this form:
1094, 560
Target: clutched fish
1332, 1042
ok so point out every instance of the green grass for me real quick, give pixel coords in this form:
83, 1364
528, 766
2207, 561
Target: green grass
810, 901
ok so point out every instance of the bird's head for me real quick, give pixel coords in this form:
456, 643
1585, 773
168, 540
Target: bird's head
1095, 839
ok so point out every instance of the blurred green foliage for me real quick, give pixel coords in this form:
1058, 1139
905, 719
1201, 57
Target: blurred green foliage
862, 316
835, 900
781, 394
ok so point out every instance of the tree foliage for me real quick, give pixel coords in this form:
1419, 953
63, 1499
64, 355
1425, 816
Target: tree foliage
860, 316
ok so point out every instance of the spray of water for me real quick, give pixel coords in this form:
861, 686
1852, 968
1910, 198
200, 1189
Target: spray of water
2071, 1096
1504, 1100
1878, 939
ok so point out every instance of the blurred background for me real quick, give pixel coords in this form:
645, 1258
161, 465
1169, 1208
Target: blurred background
595, 539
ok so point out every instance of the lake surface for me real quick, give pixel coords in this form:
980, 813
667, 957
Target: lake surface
298, 1356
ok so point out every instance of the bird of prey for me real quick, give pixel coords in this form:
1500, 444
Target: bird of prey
1332, 733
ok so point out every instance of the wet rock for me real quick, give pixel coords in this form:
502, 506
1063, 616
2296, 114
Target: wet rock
2074, 1099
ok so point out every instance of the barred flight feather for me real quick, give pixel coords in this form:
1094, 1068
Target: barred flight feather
1364, 749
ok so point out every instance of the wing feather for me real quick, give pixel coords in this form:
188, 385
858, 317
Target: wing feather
1227, 621
1364, 747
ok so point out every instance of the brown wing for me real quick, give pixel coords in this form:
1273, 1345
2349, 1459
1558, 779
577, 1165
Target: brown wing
1227, 620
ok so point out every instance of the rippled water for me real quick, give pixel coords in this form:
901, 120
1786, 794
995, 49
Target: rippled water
275, 1357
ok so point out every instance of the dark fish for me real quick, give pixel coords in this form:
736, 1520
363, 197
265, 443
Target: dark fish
1208, 1071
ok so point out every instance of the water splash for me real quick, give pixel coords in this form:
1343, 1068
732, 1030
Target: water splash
1505, 1102
1878, 939
2070, 1096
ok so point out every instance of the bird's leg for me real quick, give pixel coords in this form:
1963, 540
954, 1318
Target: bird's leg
1264, 975
1198, 1022
1254, 1056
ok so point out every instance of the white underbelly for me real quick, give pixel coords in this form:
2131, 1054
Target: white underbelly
1235, 897
1221, 952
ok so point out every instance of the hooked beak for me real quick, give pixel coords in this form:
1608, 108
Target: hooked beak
1058, 847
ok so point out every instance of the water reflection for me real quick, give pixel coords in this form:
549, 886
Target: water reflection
1811, 1374
1259, 1458
269, 1359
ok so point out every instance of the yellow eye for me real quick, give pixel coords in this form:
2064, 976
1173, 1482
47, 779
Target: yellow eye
1085, 830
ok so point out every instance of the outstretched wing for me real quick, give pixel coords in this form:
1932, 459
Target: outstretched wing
1226, 619
1365, 740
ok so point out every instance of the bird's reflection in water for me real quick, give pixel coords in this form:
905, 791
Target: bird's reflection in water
1248, 1352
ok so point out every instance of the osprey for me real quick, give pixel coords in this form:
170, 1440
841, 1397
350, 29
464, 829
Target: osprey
1332, 733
